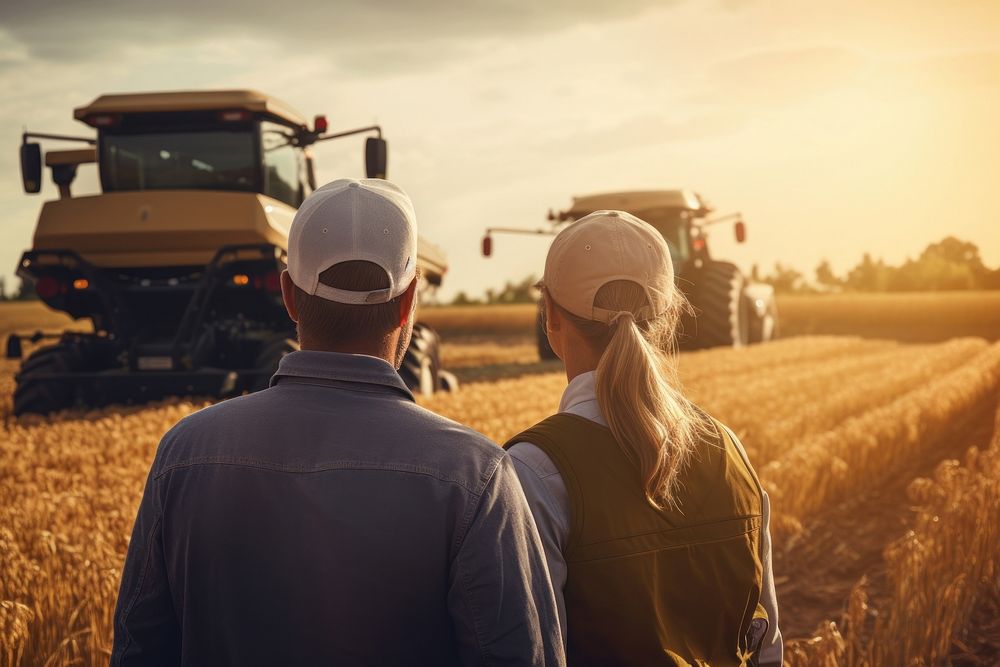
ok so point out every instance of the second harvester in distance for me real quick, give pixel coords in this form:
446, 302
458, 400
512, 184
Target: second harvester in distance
729, 309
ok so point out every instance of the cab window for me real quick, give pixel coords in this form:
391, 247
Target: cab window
179, 159
282, 164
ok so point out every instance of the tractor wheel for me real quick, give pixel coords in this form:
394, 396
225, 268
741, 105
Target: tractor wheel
723, 318
40, 395
422, 362
545, 352
268, 358
765, 328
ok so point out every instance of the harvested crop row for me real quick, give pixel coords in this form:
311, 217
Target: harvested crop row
727, 364
772, 414
503, 408
938, 572
864, 449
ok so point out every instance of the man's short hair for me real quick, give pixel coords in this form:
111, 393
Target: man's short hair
332, 324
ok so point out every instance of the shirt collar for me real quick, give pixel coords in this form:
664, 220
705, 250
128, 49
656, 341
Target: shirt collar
341, 367
580, 390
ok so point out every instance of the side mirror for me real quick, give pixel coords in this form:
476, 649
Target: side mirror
487, 246
31, 167
376, 157
310, 172
741, 232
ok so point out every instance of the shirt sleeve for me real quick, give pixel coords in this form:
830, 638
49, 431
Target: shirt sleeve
548, 500
773, 647
500, 598
146, 631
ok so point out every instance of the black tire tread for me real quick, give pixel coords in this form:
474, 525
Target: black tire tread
36, 395
719, 304
424, 344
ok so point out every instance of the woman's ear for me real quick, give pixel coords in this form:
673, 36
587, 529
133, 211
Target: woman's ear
553, 318
553, 326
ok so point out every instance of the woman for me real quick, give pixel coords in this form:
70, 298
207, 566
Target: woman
654, 523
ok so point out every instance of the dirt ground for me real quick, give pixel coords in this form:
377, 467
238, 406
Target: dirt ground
815, 572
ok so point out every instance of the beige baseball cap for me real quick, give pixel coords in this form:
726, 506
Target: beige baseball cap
600, 248
369, 219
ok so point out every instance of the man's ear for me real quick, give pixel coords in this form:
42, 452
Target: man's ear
406, 303
288, 296
553, 318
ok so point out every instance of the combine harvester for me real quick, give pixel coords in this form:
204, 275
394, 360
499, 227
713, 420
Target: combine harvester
730, 309
176, 262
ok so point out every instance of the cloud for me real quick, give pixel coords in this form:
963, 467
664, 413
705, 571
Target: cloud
643, 130
71, 30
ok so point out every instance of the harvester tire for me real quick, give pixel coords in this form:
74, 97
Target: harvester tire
268, 358
422, 362
40, 395
545, 352
723, 317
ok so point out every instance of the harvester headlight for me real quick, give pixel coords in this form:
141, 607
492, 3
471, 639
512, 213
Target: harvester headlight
81, 283
241, 279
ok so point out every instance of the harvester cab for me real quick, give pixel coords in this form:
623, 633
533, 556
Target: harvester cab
176, 261
729, 309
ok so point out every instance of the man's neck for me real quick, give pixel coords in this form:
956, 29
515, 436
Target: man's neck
382, 349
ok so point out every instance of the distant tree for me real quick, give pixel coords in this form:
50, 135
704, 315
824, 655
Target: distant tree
954, 250
26, 292
949, 264
826, 277
519, 292
990, 279
786, 280
869, 276
930, 273
462, 299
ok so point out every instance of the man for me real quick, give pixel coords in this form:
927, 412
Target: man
329, 519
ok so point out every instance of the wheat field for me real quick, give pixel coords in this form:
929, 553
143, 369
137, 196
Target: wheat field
882, 460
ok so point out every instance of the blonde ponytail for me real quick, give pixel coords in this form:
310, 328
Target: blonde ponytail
638, 390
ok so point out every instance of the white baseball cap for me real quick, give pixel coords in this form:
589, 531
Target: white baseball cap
603, 247
346, 220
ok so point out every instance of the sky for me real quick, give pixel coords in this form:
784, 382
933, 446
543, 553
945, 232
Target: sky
835, 128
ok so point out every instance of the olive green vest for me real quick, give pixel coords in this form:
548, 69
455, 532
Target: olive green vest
657, 587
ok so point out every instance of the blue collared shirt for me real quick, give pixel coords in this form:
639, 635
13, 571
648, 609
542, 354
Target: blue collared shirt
331, 520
